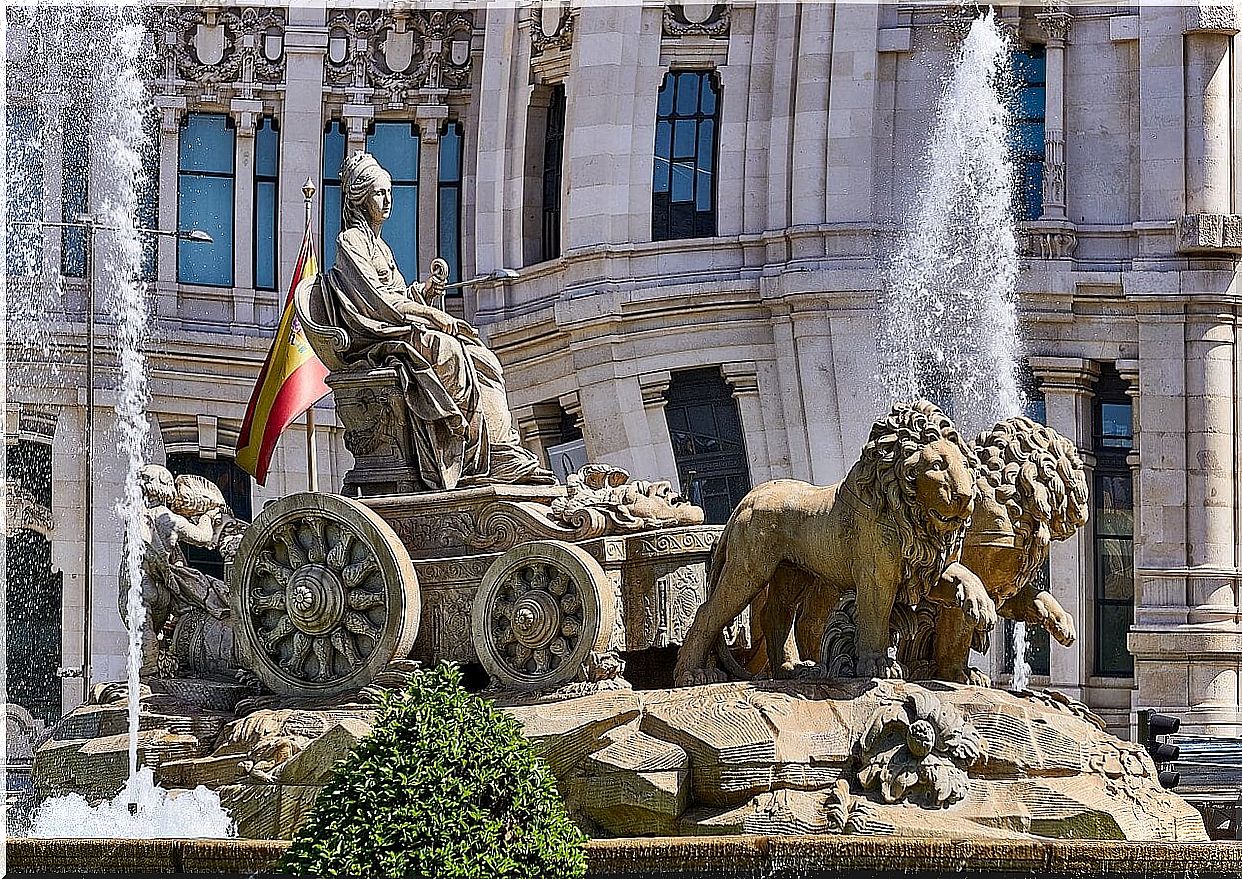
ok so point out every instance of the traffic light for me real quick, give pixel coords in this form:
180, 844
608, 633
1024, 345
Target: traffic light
1151, 727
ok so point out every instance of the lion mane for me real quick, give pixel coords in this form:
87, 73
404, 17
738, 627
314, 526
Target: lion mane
887, 484
1036, 474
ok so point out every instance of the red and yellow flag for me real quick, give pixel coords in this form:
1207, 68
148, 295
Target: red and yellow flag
290, 382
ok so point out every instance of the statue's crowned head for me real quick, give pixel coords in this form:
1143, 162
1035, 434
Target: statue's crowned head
359, 174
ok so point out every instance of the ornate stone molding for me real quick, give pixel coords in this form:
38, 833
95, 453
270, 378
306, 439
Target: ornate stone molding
1211, 18
742, 377
551, 26
211, 46
1043, 239
1209, 233
654, 386
398, 52
696, 19
1054, 167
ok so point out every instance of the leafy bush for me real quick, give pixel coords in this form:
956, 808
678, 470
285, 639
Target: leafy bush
445, 787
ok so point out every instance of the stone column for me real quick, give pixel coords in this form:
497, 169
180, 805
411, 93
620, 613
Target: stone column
245, 115
1056, 27
1209, 223
301, 134
1067, 383
428, 189
743, 378
654, 387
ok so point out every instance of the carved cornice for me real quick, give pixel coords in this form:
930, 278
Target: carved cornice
400, 51
696, 19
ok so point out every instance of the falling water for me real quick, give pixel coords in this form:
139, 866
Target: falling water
1021, 668
950, 327
108, 44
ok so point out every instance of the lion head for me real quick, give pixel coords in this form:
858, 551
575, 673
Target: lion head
1037, 479
917, 473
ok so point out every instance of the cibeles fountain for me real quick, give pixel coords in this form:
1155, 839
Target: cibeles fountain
823, 681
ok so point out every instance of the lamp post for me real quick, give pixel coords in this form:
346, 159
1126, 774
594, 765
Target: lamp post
90, 225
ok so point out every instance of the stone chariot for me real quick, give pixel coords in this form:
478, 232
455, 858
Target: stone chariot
543, 585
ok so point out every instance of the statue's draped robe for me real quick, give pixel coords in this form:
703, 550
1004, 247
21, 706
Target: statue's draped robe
460, 427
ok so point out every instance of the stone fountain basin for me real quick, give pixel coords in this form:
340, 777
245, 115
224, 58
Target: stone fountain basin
721, 857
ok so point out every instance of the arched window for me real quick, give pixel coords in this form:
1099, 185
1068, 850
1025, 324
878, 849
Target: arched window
330, 221
266, 175
683, 190
708, 446
395, 145
205, 199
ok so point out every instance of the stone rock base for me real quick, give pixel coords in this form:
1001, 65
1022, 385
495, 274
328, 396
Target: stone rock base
874, 758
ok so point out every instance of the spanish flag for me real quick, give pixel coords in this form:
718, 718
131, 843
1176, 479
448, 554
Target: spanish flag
290, 382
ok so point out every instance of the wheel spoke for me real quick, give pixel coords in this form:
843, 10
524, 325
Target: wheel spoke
344, 645
283, 629
323, 654
267, 564
317, 551
338, 556
357, 572
362, 599
289, 539
360, 625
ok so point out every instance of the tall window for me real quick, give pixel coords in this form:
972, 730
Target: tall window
333, 155
76, 165
234, 484
683, 191
395, 146
205, 199
706, 431
24, 154
553, 158
448, 211
266, 173
1114, 526
1028, 131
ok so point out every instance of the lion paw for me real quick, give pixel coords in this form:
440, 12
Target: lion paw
964, 674
697, 677
1056, 619
806, 670
882, 666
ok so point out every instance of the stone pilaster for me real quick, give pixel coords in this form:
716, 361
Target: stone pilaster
1209, 223
301, 135
1056, 26
654, 389
743, 378
1067, 384
539, 426
172, 110
246, 114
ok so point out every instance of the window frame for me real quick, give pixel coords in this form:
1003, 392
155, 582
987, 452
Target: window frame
1110, 463
274, 180
231, 177
402, 188
553, 174
330, 181
1028, 193
705, 223
455, 188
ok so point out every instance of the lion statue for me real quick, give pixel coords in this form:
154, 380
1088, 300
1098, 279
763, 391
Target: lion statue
1031, 491
892, 530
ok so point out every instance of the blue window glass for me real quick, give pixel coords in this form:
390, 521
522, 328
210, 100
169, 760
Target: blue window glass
1027, 134
24, 153
205, 199
683, 183
448, 219
333, 155
1112, 522
266, 174
395, 146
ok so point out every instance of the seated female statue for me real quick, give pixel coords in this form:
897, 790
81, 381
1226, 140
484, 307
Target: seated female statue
452, 384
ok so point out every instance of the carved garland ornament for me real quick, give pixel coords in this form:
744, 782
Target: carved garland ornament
208, 47
396, 52
918, 750
551, 27
696, 19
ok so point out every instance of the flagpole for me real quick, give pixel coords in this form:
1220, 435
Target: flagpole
312, 463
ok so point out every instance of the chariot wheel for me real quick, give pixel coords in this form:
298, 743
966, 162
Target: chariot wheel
323, 595
541, 610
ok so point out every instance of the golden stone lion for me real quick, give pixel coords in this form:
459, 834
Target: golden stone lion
892, 530
1032, 491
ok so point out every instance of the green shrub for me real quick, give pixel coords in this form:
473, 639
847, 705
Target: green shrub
445, 787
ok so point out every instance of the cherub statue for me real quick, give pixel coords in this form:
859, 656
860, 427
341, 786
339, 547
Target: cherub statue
185, 608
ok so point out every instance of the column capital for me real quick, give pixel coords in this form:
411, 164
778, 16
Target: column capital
572, 404
742, 377
172, 109
654, 385
1056, 27
1129, 371
1073, 374
246, 114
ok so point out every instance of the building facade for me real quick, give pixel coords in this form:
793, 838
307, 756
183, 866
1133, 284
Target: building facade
675, 219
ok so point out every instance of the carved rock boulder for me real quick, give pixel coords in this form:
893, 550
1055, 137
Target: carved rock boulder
853, 756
